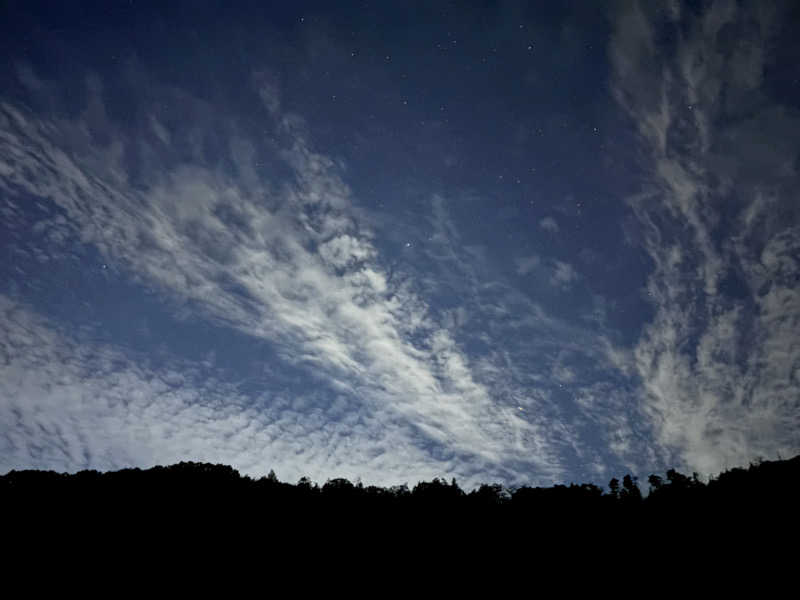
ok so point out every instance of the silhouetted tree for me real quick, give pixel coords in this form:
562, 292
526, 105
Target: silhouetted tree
678, 481
488, 495
613, 488
630, 489
206, 497
655, 482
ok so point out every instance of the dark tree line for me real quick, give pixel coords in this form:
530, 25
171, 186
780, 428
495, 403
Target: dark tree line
190, 486
199, 502
187, 519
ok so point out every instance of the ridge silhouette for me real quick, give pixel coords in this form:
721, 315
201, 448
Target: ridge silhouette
193, 485
742, 512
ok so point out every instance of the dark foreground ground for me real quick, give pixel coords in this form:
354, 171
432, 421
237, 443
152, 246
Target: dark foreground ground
185, 513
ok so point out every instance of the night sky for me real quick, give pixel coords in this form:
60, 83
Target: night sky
526, 243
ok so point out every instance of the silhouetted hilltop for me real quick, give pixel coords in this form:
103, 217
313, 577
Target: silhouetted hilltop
195, 487
185, 510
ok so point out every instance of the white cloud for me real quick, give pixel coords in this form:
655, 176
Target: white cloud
543, 366
549, 224
563, 373
557, 273
527, 264
70, 405
717, 367
284, 263
563, 275
344, 251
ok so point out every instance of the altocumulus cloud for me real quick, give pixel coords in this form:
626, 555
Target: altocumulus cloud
281, 258
68, 404
400, 343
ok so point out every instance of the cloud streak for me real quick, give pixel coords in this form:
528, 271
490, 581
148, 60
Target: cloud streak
718, 364
391, 332
283, 260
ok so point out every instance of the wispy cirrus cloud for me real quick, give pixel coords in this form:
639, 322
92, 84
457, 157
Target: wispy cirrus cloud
567, 374
264, 239
558, 273
718, 363
564, 275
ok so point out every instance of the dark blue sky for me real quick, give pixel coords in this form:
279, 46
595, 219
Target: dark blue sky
512, 242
